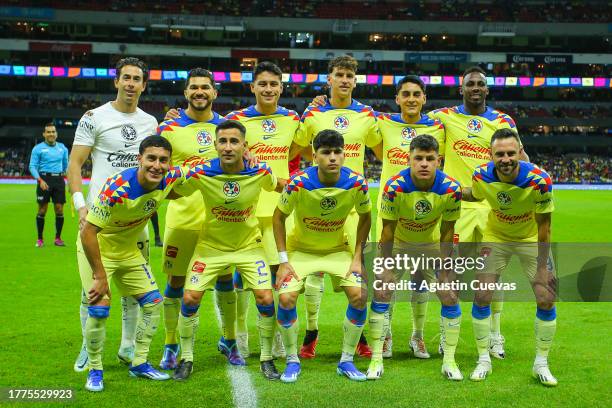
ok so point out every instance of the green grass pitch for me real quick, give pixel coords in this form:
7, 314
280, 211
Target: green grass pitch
41, 335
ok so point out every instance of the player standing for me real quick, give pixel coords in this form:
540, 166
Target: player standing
521, 200
111, 133
109, 237
414, 202
48, 163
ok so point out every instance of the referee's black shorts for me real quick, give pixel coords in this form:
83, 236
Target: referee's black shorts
56, 191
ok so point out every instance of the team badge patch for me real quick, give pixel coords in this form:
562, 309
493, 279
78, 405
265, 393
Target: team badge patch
128, 132
474, 125
268, 126
204, 138
231, 189
504, 198
328, 203
341, 122
408, 134
149, 205
422, 208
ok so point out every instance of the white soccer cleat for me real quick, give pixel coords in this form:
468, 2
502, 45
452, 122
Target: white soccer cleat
375, 370
125, 355
418, 348
543, 374
451, 371
82, 360
496, 346
387, 351
278, 348
242, 342
483, 368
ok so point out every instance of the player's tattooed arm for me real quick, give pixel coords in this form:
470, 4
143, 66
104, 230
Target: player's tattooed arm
78, 156
545, 285
89, 239
363, 232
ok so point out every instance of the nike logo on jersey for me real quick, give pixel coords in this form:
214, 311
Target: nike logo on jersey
472, 136
203, 150
229, 201
324, 214
268, 137
129, 144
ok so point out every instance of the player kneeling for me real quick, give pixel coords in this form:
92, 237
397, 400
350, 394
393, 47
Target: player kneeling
109, 239
520, 196
321, 198
413, 203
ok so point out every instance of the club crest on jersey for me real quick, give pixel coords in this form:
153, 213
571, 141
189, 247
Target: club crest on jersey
149, 205
128, 132
422, 208
341, 122
474, 125
204, 138
231, 189
504, 198
268, 126
408, 134
328, 203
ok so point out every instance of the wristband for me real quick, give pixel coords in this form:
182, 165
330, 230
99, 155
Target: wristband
282, 257
78, 200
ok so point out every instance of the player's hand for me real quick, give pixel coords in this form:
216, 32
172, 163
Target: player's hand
43, 185
251, 159
357, 269
98, 290
82, 216
173, 114
284, 274
319, 100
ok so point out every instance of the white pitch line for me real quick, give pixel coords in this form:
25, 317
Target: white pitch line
243, 390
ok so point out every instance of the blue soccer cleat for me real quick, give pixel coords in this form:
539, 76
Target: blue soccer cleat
146, 370
291, 373
95, 381
230, 350
348, 369
169, 360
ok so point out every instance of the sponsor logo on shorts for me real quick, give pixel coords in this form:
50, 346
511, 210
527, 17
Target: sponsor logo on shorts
260, 282
172, 251
422, 208
194, 279
198, 267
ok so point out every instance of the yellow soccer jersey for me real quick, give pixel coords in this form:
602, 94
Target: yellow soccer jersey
357, 123
468, 140
191, 142
123, 208
418, 213
269, 138
320, 212
513, 205
396, 137
229, 223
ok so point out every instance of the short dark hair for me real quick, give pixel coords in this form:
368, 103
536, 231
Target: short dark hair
231, 124
49, 124
328, 138
343, 61
425, 142
472, 69
412, 79
267, 66
505, 133
154, 141
199, 72
134, 62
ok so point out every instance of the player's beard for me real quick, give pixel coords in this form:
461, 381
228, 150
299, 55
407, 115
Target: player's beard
507, 169
200, 108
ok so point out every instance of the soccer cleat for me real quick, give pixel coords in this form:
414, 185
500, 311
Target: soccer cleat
158, 242
375, 370
82, 359
278, 348
451, 371
348, 369
496, 346
169, 359
269, 370
146, 370
229, 349
543, 374
95, 381
242, 341
183, 371
387, 351
125, 355
363, 350
308, 350
483, 368
418, 348
291, 373
39, 243
59, 242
